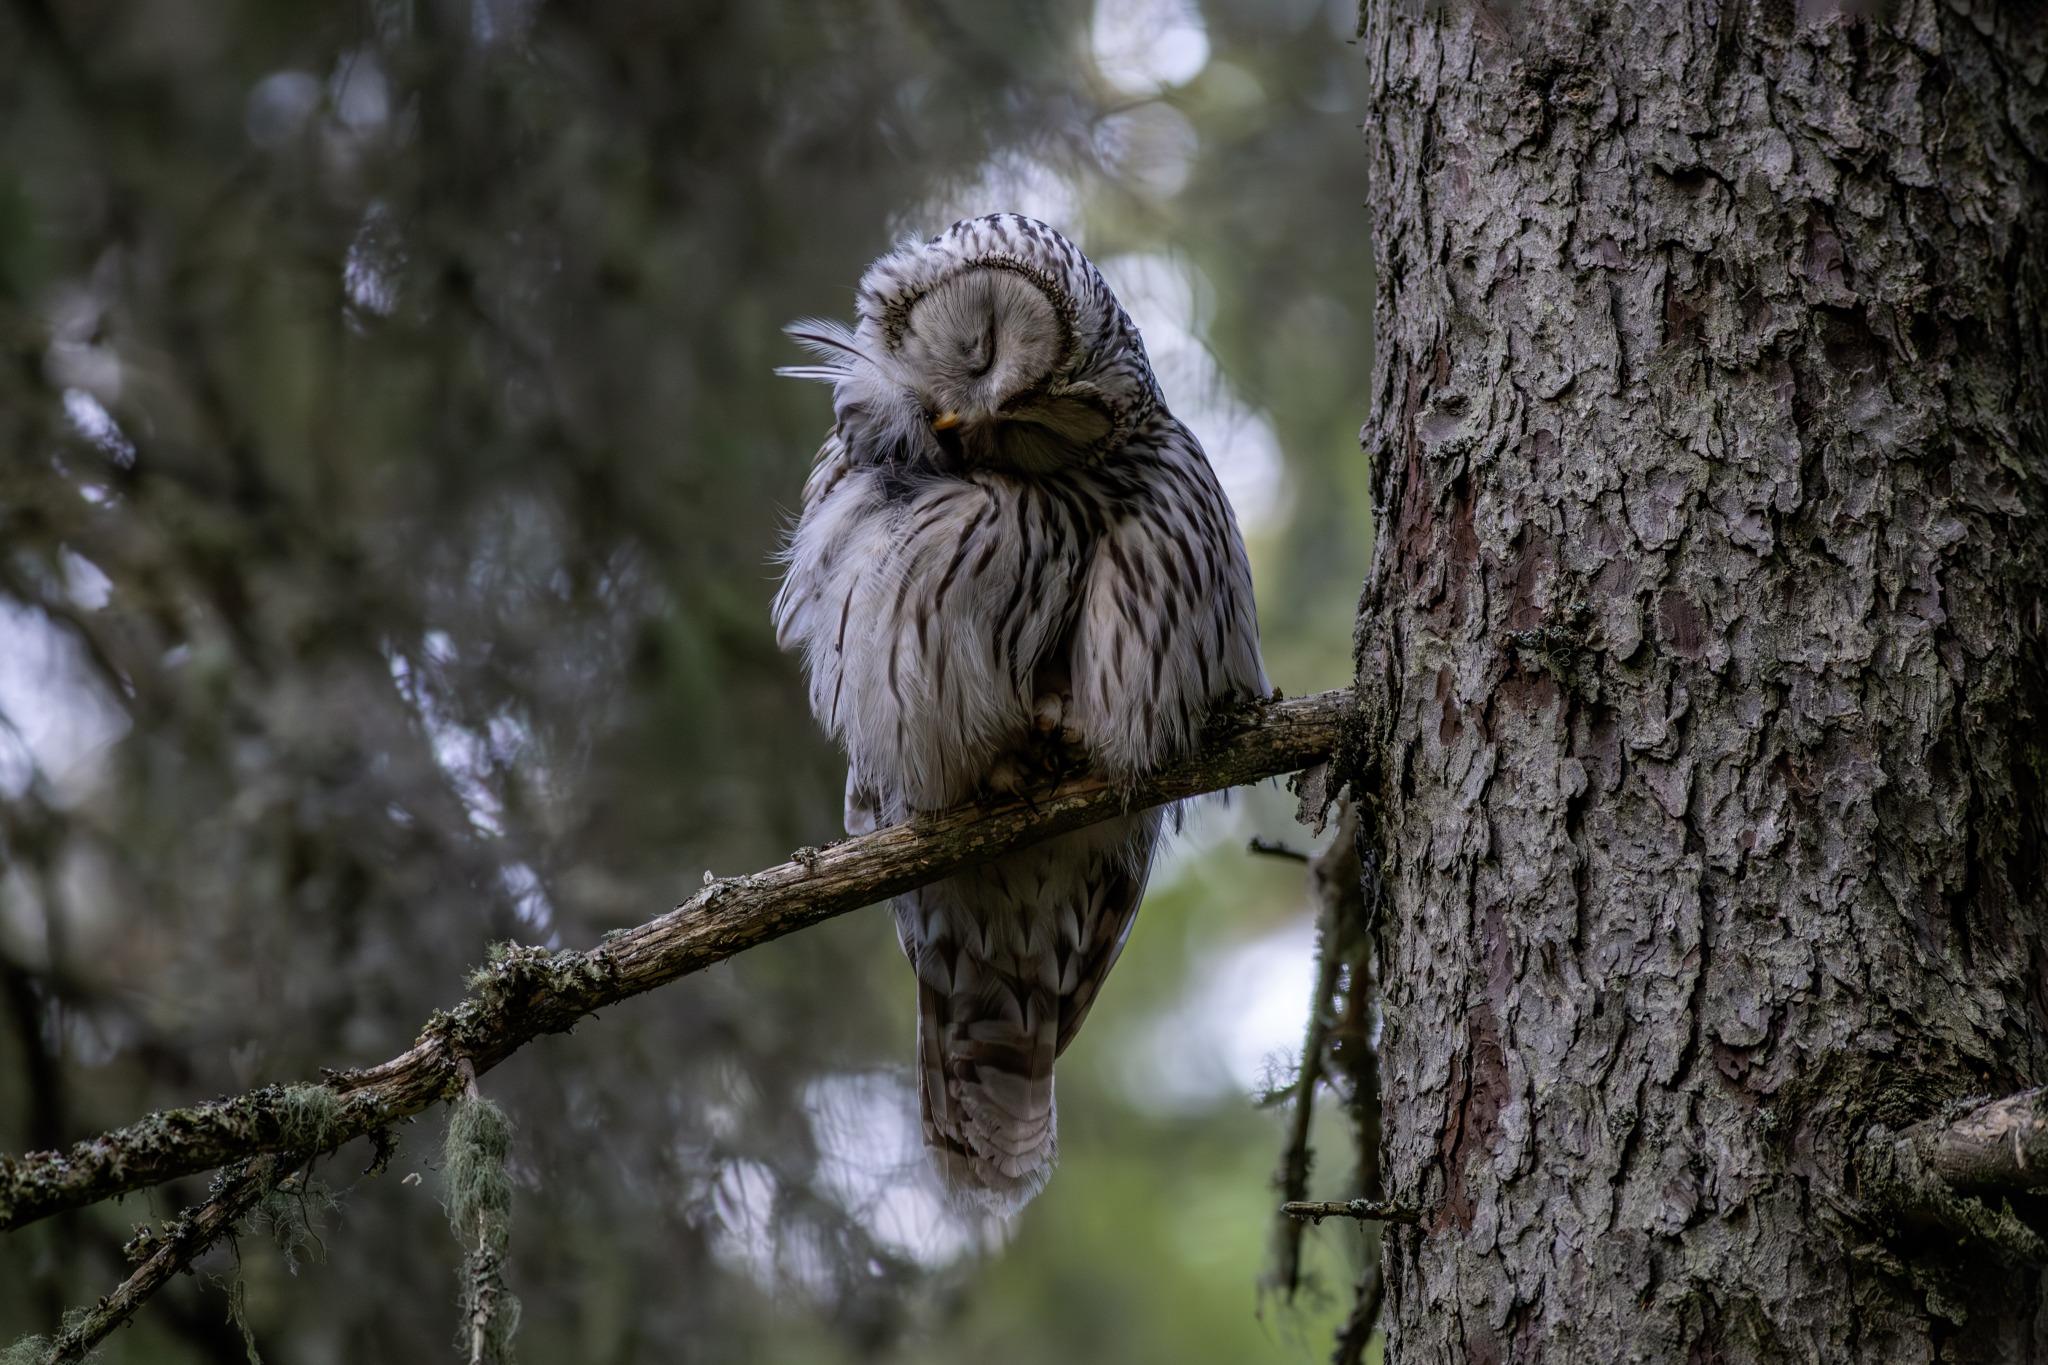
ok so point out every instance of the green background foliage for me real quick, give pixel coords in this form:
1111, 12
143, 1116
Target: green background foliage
390, 477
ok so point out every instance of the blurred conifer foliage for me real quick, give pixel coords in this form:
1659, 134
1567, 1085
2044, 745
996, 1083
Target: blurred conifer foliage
390, 475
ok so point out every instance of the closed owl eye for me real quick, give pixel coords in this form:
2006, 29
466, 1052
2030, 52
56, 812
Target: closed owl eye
980, 352
982, 335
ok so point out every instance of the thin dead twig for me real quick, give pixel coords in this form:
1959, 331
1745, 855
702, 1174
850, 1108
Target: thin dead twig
1366, 1210
1333, 879
183, 1241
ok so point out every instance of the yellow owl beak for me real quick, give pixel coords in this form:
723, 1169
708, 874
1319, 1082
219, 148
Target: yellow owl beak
945, 421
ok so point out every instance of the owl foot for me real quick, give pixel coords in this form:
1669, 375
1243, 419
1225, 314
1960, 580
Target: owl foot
1049, 749
1052, 747
1049, 721
1012, 778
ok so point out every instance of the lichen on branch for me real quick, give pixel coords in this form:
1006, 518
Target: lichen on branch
524, 992
480, 1215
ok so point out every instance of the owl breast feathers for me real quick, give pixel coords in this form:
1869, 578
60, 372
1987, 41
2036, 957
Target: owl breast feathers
1010, 556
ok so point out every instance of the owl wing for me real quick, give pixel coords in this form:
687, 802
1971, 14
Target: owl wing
922, 607
1167, 624
833, 463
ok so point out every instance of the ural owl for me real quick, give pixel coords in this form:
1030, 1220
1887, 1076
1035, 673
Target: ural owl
1010, 554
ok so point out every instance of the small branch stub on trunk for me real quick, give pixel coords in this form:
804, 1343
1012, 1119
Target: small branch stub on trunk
1366, 1210
1956, 1173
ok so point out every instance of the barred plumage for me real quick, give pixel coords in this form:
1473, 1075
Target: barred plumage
1010, 554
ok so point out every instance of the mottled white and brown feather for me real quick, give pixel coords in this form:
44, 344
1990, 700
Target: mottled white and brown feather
934, 599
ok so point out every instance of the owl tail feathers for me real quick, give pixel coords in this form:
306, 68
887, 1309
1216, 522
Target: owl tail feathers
985, 1088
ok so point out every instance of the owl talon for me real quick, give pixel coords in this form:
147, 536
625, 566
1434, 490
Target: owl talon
1010, 779
1006, 778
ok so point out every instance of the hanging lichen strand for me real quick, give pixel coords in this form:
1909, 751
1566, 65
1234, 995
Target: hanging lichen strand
480, 1212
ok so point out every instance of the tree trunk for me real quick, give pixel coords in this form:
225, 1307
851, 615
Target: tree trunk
1706, 621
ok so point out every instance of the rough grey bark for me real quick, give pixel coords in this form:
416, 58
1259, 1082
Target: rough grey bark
1706, 624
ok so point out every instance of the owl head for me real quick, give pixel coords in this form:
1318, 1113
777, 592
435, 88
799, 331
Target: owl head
995, 345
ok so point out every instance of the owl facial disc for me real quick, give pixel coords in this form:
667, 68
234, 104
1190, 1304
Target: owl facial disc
984, 350
993, 347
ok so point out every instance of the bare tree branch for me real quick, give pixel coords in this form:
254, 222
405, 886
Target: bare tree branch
183, 1241
524, 992
1333, 877
1953, 1175
1274, 848
1356, 1333
1354, 1056
1366, 1210
1995, 1146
